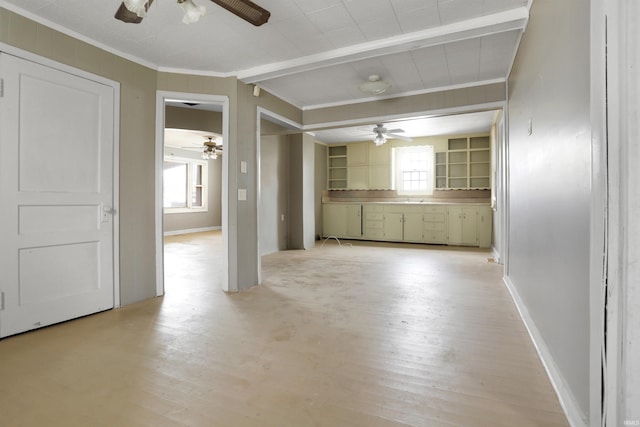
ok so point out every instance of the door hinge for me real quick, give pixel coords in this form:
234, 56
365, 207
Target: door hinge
1, 88
1, 300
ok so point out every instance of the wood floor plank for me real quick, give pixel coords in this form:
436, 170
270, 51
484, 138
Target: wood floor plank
386, 335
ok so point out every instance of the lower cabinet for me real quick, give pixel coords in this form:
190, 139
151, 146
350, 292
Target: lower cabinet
464, 225
343, 220
470, 226
434, 225
354, 220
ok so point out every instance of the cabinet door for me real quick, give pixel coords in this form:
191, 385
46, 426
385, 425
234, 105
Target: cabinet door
470, 226
379, 177
485, 225
380, 155
354, 220
412, 227
454, 216
357, 178
392, 225
334, 220
357, 154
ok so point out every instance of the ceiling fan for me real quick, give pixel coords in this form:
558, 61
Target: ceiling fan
211, 149
132, 11
381, 134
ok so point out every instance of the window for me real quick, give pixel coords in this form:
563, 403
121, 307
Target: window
414, 170
184, 183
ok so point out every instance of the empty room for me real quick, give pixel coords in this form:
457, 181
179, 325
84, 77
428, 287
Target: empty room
328, 212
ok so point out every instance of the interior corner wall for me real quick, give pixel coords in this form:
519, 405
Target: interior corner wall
320, 184
549, 190
308, 192
296, 170
274, 193
137, 140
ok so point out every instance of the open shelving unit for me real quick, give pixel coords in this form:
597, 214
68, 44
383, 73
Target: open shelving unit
465, 165
337, 167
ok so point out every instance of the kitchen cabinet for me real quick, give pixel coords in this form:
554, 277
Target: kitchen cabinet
379, 177
337, 167
334, 220
434, 224
402, 223
357, 177
470, 226
342, 220
465, 225
392, 226
467, 164
359, 166
373, 222
354, 221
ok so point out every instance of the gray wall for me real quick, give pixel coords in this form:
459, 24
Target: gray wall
274, 193
320, 183
549, 184
196, 220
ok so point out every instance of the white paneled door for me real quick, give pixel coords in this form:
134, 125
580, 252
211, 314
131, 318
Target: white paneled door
56, 196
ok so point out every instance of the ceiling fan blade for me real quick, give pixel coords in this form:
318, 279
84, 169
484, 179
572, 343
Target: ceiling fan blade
246, 9
395, 131
125, 15
396, 136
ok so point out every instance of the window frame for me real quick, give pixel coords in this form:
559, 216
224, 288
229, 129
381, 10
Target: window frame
191, 185
398, 153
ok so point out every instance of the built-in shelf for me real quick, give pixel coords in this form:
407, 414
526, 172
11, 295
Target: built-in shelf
465, 165
337, 167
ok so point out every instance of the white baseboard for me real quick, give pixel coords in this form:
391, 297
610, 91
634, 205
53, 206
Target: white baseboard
192, 230
496, 255
567, 400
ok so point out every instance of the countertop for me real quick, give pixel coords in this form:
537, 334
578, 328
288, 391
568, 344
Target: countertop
460, 201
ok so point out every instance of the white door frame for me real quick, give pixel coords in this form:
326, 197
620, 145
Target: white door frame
23, 54
615, 114
223, 101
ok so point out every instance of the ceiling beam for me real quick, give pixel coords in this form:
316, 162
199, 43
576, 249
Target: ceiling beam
515, 19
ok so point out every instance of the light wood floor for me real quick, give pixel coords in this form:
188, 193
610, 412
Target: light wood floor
368, 335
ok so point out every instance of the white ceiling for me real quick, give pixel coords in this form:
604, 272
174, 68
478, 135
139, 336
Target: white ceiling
469, 123
311, 53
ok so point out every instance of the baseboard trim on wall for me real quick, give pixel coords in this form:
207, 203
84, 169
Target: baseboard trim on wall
567, 400
192, 230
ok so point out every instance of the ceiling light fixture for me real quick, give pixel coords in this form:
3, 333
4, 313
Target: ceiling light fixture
375, 85
211, 149
139, 7
192, 12
379, 139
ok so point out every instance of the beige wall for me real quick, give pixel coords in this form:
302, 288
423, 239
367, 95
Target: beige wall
138, 86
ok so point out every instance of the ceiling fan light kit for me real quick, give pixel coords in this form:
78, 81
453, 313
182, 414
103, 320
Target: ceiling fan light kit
381, 134
132, 11
192, 12
139, 7
379, 139
211, 150
375, 85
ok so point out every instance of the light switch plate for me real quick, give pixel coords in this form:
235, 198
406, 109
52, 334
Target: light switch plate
242, 194
243, 166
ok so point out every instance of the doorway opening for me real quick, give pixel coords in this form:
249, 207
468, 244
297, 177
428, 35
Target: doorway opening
191, 192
